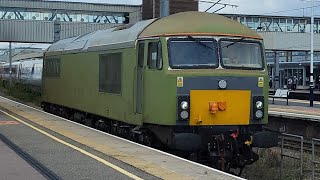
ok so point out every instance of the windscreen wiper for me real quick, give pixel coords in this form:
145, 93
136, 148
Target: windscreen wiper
199, 42
235, 42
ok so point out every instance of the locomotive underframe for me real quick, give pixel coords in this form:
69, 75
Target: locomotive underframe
228, 147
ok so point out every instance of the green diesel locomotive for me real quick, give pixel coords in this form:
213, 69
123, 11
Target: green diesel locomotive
193, 82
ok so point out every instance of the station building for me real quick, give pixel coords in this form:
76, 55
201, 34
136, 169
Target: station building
287, 40
37, 21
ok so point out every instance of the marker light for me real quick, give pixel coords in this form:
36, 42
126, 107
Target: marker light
184, 105
184, 114
259, 105
259, 114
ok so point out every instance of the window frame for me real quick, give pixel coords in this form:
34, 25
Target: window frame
102, 57
159, 56
141, 44
243, 41
194, 67
53, 67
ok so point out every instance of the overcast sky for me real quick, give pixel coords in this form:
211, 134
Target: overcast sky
244, 6
258, 7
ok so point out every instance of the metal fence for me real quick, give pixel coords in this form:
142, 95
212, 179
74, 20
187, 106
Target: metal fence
314, 162
289, 138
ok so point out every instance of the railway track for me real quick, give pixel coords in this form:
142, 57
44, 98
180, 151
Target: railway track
295, 144
42, 169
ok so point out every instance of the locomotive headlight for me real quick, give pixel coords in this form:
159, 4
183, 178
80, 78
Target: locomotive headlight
259, 114
259, 105
222, 84
184, 114
184, 105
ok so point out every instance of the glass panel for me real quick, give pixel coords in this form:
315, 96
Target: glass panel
242, 21
295, 73
295, 25
283, 25
302, 25
155, 55
141, 54
308, 26
276, 24
249, 22
237, 54
255, 23
193, 53
289, 25
270, 57
110, 73
282, 56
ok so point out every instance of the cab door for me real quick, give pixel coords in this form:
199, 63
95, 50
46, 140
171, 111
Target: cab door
154, 87
139, 84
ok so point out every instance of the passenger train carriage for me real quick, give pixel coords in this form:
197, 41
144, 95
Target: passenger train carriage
26, 71
193, 81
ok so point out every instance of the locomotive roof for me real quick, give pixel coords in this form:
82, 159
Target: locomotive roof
198, 23
111, 38
185, 23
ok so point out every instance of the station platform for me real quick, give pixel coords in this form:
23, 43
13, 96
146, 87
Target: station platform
302, 121
61, 149
296, 109
295, 112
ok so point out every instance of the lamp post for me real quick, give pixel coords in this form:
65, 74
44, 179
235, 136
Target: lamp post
311, 60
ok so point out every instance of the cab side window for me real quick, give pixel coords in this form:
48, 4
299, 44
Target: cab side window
155, 55
141, 54
52, 66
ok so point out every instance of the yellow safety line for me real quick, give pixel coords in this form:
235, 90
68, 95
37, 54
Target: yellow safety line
76, 148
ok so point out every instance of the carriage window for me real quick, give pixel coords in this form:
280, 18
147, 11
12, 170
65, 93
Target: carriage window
155, 55
241, 54
52, 67
110, 73
140, 54
193, 53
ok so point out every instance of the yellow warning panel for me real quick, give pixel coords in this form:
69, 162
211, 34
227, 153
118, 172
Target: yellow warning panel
179, 81
260, 81
220, 107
